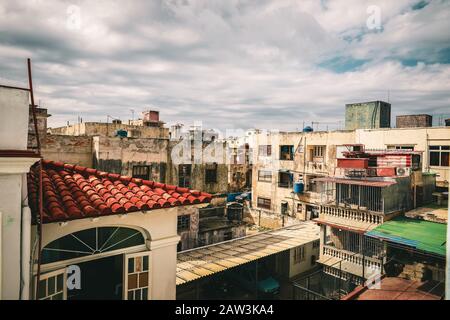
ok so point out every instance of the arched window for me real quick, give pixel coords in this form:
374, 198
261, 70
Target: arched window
90, 242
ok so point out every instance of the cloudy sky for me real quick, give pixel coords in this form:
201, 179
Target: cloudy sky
229, 63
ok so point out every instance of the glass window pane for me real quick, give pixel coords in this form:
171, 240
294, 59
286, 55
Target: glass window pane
58, 296
434, 158
132, 281
145, 263
445, 159
445, 148
143, 279
51, 285
59, 282
130, 295
131, 265
145, 294
42, 290
434, 147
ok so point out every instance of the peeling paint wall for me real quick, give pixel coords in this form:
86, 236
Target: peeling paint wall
110, 130
302, 166
68, 149
198, 169
119, 155
367, 115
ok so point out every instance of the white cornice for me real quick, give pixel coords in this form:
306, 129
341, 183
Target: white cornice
165, 242
13, 165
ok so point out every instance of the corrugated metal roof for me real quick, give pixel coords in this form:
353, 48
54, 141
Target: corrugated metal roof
422, 235
205, 261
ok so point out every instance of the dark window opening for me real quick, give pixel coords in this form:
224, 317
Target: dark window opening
141, 172
211, 173
440, 156
285, 179
227, 236
184, 175
286, 152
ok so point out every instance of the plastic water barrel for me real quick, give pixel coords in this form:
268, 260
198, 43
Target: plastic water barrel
299, 187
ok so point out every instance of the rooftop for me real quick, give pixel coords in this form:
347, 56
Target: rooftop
196, 263
74, 192
422, 235
432, 212
392, 288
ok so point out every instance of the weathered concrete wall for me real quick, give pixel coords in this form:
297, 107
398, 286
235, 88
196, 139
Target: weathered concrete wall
68, 149
218, 235
189, 237
414, 121
302, 166
41, 119
119, 155
110, 129
311, 254
199, 166
367, 115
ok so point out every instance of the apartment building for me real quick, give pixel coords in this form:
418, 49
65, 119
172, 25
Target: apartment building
282, 159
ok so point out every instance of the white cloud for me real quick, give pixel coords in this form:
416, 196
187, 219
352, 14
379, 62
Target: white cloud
228, 63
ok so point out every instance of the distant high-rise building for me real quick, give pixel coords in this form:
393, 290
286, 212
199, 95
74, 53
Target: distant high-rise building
368, 115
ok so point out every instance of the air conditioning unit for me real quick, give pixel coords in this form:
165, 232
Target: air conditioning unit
403, 172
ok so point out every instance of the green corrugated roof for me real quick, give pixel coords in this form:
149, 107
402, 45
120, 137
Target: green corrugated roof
422, 235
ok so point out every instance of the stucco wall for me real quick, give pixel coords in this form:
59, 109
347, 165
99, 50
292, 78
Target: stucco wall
119, 155
305, 265
301, 166
68, 149
110, 129
13, 119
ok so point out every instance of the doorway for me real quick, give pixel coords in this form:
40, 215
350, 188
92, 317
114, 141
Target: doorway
101, 279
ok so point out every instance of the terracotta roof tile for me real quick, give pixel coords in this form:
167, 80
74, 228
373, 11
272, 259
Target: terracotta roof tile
75, 192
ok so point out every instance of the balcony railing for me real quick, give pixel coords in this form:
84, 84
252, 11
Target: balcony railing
352, 215
370, 263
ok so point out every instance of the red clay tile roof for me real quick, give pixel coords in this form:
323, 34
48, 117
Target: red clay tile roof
74, 192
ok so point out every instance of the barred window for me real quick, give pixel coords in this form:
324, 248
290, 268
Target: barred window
264, 176
141, 172
264, 203
265, 150
184, 223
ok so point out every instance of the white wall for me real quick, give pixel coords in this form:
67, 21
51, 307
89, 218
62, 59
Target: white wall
14, 119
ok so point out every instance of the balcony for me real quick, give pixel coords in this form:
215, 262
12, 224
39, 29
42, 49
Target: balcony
351, 215
351, 262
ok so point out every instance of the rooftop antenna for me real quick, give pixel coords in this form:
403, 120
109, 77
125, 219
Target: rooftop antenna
389, 96
132, 114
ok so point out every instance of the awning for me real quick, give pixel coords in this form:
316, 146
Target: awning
369, 183
422, 235
201, 262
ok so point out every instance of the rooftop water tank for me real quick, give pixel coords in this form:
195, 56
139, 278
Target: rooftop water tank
121, 133
308, 129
